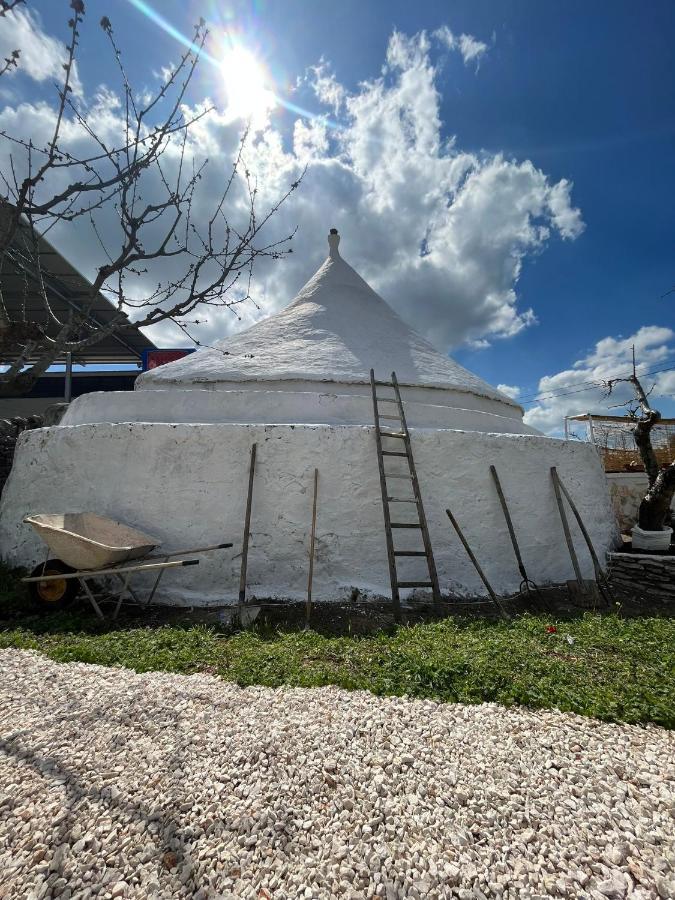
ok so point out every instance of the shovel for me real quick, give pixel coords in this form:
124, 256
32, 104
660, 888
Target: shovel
583, 590
526, 585
600, 577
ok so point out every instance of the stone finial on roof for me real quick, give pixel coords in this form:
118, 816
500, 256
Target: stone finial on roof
333, 243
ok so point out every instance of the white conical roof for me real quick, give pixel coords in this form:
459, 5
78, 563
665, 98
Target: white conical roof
335, 330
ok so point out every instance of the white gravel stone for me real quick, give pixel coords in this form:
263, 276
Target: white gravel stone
114, 784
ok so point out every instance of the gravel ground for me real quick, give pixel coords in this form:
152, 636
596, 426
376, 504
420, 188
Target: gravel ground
114, 784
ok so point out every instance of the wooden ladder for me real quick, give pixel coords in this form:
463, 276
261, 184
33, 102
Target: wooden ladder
395, 413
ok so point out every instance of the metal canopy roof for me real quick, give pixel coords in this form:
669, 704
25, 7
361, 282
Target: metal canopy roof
68, 291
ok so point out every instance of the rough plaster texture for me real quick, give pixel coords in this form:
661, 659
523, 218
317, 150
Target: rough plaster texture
423, 408
336, 330
626, 490
186, 484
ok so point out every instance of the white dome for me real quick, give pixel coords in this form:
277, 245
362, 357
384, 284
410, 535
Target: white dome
334, 331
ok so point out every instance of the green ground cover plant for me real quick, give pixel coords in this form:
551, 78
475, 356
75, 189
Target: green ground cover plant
602, 665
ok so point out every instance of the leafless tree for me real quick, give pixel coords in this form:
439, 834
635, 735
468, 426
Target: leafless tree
654, 510
146, 183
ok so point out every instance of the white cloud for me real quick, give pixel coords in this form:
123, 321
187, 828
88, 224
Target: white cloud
510, 390
442, 234
310, 139
42, 56
565, 217
471, 49
326, 86
569, 392
469, 46
445, 36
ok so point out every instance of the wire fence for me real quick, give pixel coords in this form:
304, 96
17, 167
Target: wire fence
613, 435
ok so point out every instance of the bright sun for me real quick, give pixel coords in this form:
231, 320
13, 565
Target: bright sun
245, 82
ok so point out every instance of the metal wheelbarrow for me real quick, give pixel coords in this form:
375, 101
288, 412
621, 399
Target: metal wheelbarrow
87, 546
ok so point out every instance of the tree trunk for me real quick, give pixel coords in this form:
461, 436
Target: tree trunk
643, 440
655, 508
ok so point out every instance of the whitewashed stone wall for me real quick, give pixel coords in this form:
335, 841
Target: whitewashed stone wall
187, 485
424, 408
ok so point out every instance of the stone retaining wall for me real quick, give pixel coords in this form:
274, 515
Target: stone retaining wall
10, 429
653, 576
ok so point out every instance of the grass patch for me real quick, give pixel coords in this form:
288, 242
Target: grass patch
597, 665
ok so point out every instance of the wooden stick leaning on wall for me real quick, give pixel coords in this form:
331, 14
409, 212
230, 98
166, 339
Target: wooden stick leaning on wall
247, 528
469, 552
586, 590
600, 577
526, 584
310, 577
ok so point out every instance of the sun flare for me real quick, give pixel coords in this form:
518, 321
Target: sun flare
246, 85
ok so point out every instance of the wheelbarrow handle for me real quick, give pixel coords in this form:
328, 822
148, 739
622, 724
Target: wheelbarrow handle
160, 555
113, 570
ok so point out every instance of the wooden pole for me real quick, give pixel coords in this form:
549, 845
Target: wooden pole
311, 551
566, 528
68, 379
476, 565
599, 574
509, 523
526, 582
247, 528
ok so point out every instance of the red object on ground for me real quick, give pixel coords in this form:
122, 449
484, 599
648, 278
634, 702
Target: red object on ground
551, 629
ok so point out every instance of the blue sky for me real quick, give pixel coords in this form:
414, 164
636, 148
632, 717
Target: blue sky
584, 91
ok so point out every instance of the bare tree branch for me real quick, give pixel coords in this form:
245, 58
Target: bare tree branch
8, 5
655, 507
149, 184
10, 62
644, 422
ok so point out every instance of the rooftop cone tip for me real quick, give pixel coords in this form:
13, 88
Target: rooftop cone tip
333, 243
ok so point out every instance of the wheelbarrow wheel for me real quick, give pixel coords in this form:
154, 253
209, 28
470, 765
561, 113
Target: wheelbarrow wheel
53, 594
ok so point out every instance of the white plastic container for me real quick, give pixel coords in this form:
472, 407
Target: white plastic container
651, 541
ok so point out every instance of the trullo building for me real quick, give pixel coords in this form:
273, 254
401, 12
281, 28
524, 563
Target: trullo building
172, 457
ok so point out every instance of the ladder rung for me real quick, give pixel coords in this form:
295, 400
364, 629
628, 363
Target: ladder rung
414, 584
400, 431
